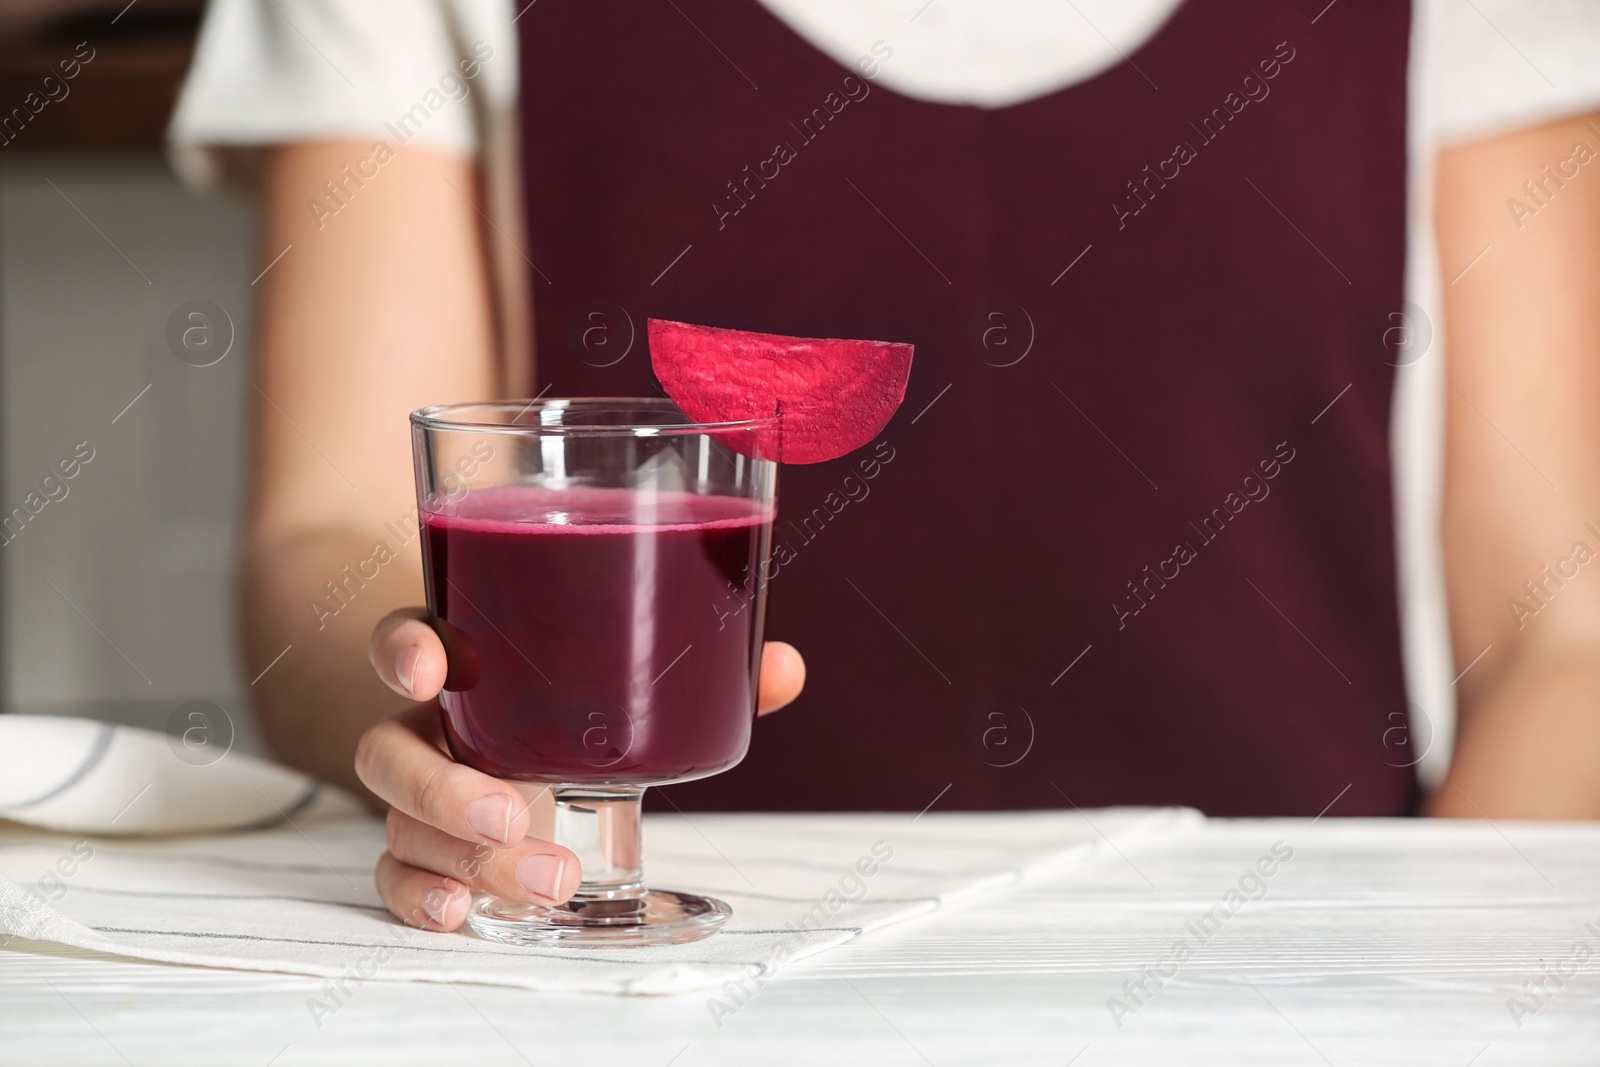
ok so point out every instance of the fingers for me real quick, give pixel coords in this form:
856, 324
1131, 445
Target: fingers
783, 675
540, 872
453, 829
421, 898
408, 655
397, 761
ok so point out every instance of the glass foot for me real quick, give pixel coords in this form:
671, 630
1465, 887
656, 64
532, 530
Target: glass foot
655, 917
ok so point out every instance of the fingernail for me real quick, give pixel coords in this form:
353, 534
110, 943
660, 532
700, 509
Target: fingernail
491, 817
541, 876
405, 667
437, 905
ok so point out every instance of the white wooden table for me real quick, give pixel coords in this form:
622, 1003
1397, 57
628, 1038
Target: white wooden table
1378, 942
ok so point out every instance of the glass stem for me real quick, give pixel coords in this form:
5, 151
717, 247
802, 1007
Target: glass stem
602, 827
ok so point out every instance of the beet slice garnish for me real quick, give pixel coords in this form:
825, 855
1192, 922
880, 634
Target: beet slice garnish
833, 395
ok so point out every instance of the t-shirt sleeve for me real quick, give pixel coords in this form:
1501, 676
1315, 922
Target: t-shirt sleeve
1497, 65
265, 72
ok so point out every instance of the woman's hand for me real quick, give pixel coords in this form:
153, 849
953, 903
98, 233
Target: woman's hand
452, 829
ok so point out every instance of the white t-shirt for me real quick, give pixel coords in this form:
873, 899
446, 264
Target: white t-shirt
267, 71
445, 72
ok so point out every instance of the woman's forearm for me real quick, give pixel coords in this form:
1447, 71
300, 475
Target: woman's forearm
1529, 747
313, 601
1522, 480
366, 314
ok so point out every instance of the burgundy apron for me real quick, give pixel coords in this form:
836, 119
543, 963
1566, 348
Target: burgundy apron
1129, 539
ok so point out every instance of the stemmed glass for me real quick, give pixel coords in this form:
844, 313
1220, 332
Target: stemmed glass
595, 569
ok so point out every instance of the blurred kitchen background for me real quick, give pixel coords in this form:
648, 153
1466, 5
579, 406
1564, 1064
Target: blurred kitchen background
117, 597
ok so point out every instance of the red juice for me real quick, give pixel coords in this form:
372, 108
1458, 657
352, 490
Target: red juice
598, 635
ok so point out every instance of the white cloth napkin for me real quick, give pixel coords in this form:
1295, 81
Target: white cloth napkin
297, 897
93, 777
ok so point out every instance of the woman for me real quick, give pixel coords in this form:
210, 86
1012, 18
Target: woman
1168, 269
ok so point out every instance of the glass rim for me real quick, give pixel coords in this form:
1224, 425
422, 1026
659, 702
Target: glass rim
452, 417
